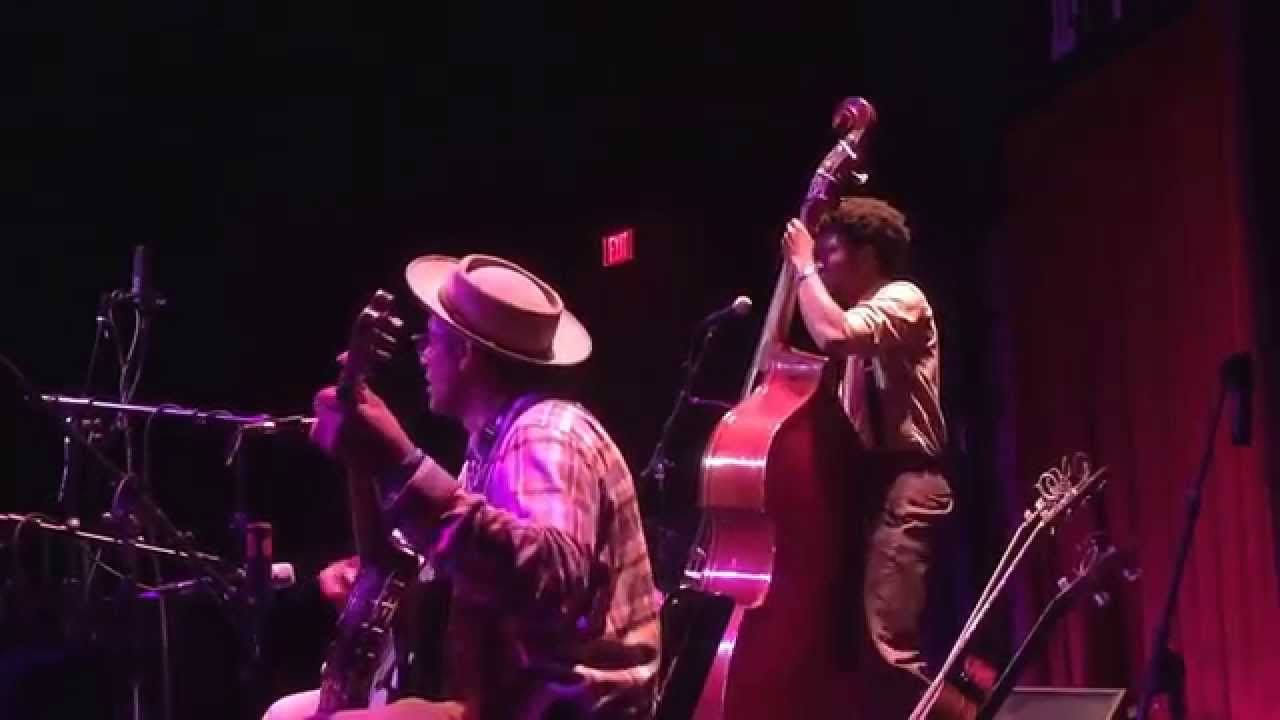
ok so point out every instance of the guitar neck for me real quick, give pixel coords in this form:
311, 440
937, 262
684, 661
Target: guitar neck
363, 498
1034, 640
366, 524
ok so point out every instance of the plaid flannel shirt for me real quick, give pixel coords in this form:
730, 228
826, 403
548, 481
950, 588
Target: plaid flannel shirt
553, 594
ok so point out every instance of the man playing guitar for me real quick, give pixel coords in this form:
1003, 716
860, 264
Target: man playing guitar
552, 607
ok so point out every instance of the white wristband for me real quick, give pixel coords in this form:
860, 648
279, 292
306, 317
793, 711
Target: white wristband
808, 270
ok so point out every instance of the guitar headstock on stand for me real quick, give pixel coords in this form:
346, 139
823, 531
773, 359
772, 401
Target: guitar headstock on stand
1059, 491
1098, 559
1062, 489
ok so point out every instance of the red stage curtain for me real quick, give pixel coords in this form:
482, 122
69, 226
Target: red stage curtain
1125, 255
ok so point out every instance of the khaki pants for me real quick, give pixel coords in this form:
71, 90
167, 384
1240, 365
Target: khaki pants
899, 553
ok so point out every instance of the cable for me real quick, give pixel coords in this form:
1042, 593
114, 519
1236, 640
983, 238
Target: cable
122, 422
130, 376
103, 325
66, 484
19, 574
138, 348
166, 671
145, 477
122, 385
99, 325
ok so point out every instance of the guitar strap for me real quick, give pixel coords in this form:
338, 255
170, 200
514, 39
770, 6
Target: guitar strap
871, 397
481, 458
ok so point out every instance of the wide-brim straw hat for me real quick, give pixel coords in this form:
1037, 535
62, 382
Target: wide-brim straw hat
502, 306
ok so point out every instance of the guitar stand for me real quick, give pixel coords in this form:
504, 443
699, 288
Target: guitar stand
1059, 489
1017, 547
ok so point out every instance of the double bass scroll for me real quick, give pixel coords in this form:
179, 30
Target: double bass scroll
853, 118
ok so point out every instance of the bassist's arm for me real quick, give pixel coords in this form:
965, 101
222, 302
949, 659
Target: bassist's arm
823, 317
891, 317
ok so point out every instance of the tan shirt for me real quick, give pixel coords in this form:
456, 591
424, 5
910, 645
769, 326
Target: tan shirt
893, 329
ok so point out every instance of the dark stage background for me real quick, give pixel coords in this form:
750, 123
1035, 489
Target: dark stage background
282, 162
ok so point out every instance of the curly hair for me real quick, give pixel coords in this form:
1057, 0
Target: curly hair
860, 220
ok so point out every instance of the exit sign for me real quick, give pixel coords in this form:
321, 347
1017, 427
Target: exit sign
618, 248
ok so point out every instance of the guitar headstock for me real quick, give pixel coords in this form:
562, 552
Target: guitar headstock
1098, 558
1060, 490
374, 336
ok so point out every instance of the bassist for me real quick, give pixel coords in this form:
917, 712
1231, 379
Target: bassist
856, 307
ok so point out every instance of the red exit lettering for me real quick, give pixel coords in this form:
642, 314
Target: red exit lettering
619, 247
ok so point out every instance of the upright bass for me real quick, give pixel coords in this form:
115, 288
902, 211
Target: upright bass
774, 489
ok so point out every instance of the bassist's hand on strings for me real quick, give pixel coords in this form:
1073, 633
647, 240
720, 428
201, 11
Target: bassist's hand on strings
797, 245
822, 314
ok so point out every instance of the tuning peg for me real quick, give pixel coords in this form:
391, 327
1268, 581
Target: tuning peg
1102, 598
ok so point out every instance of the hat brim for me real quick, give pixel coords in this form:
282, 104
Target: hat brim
570, 346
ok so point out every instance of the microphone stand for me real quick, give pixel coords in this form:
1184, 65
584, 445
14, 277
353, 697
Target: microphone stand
668, 546
268, 424
257, 599
253, 601
112, 541
1166, 672
132, 508
70, 490
134, 501
129, 512
659, 464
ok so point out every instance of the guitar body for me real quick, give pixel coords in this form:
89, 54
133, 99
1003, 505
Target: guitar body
776, 499
362, 649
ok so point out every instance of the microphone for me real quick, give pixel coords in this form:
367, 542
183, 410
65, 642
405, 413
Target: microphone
283, 576
740, 307
288, 425
141, 291
258, 554
1237, 374
141, 261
